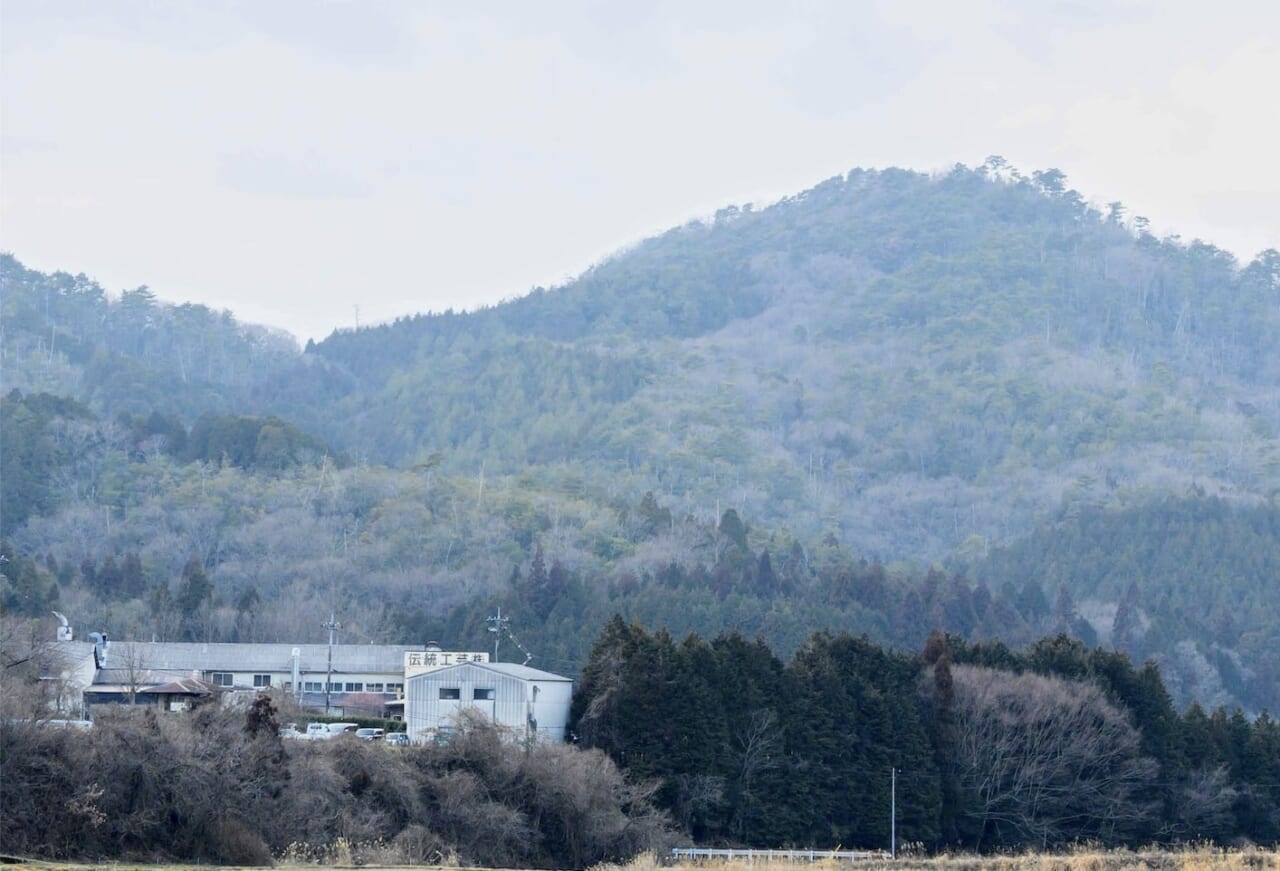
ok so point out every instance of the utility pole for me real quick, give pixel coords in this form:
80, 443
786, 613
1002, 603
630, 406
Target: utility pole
893, 813
500, 626
497, 625
333, 626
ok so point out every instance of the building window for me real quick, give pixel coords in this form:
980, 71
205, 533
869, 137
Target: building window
312, 686
355, 687
373, 687
222, 679
450, 693
335, 687
262, 680
484, 695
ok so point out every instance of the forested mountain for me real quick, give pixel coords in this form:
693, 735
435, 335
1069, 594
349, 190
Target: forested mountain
905, 360
63, 334
774, 419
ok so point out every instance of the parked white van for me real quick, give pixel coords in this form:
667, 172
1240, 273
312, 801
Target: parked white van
323, 731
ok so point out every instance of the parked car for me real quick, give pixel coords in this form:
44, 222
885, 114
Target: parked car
370, 734
399, 739
324, 731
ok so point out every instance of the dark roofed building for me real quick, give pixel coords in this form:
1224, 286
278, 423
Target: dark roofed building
164, 690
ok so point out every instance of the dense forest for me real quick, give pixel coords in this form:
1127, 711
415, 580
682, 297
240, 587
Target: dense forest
1057, 743
893, 402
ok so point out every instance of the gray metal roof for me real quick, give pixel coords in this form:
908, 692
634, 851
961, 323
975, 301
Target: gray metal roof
69, 654
523, 672
313, 658
137, 677
73, 649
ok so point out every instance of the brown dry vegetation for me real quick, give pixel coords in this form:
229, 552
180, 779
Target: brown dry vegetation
220, 787
1191, 859
1197, 859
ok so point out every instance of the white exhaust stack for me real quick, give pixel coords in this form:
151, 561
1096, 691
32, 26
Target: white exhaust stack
100, 646
64, 630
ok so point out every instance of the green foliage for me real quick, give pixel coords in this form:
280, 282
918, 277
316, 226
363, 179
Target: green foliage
134, 354
27, 589
751, 751
269, 444
1179, 569
31, 453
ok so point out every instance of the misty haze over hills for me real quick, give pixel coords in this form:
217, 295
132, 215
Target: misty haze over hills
727, 424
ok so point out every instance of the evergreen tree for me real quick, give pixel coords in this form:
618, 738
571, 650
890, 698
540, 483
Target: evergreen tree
194, 592
1065, 615
111, 579
1125, 624
937, 656
767, 583
133, 581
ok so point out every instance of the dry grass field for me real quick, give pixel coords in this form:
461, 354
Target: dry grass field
1198, 859
1193, 859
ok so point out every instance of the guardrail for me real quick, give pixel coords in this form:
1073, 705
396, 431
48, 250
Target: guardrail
785, 855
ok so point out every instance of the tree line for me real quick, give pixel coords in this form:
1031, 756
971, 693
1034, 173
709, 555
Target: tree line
994, 747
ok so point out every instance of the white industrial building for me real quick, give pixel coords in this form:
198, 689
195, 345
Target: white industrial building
362, 676
347, 678
533, 704
428, 686
69, 668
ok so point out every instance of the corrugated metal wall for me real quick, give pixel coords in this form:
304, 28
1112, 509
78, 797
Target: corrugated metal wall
511, 706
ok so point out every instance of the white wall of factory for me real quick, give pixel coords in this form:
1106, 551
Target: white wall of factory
529, 702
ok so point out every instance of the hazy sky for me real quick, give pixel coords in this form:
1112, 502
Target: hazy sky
293, 160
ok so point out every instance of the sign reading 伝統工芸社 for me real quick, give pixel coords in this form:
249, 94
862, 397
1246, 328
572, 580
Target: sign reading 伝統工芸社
419, 661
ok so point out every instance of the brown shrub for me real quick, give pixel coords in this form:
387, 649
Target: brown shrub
203, 788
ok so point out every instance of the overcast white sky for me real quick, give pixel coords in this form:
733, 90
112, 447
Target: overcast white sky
293, 160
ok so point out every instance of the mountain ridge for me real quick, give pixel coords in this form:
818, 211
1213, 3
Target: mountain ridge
913, 368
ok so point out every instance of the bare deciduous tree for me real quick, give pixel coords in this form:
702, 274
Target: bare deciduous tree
34, 672
759, 744
1202, 806
220, 785
1043, 759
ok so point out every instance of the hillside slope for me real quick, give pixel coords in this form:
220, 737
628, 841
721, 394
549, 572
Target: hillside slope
913, 362
740, 422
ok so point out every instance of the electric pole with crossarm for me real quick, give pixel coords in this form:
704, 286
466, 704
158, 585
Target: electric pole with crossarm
333, 626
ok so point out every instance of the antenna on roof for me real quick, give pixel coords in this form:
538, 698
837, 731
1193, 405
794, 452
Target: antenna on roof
501, 626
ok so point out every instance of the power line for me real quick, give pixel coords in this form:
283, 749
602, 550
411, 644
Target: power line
501, 626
